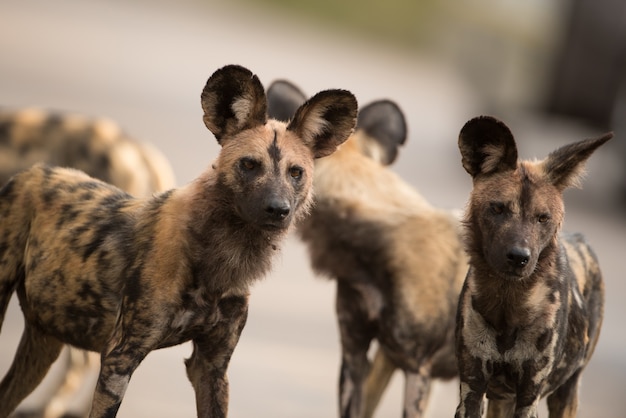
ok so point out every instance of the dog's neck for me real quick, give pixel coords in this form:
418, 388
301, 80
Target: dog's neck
224, 252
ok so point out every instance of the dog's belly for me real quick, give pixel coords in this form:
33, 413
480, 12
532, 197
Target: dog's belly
77, 310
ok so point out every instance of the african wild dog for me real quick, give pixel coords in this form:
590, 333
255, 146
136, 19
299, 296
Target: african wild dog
98, 269
101, 149
398, 262
98, 147
531, 307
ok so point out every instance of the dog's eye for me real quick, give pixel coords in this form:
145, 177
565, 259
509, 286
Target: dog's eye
497, 208
543, 218
295, 172
248, 164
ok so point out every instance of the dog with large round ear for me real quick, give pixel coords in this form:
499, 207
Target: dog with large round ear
384, 126
283, 99
381, 123
168, 268
234, 100
487, 145
529, 284
397, 261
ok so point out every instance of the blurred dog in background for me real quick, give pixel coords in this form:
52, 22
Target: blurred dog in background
100, 148
398, 261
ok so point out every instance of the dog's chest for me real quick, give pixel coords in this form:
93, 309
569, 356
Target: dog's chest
511, 335
511, 345
198, 314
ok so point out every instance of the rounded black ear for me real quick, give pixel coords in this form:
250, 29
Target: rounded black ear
385, 127
487, 146
325, 121
233, 100
283, 99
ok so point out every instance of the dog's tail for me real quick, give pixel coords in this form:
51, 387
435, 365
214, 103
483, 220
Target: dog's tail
376, 382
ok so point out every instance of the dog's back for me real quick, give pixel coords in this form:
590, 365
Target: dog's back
96, 146
589, 288
368, 222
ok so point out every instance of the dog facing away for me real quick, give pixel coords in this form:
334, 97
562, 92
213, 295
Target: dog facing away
103, 271
531, 307
100, 148
398, 263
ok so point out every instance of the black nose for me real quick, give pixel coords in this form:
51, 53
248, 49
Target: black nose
277, 209
518, 256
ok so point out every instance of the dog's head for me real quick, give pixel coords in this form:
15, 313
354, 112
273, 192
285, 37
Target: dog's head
380, 128
516, 207
268, 164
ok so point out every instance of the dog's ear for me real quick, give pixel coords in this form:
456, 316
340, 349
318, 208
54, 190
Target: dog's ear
565, 166
487, 146
233, 100
385, 127
283, 99
325, 121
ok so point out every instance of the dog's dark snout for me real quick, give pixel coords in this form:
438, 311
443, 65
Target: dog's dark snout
278, 209
518, 256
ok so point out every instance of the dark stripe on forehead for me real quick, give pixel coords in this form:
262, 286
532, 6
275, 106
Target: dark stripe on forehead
274, 151
526, 190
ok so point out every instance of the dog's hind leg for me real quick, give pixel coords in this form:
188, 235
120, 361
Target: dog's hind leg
416, 392
563, 402
35, 354
8, 281
6, 290
69, 400
376, 382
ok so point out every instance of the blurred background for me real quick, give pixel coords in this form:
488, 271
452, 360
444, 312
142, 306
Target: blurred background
553, 71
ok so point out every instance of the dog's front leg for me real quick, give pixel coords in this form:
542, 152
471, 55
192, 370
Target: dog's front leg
356, 333
472, 402
563, 402
474, 373
527, 402
354, 369
206, 368
528, 411
529, 384
501, 408
117, 366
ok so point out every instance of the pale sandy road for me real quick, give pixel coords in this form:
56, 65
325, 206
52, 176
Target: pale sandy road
144, 64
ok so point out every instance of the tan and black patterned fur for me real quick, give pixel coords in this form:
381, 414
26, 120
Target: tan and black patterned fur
398, 263
531, 307
104, 271
100, 148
